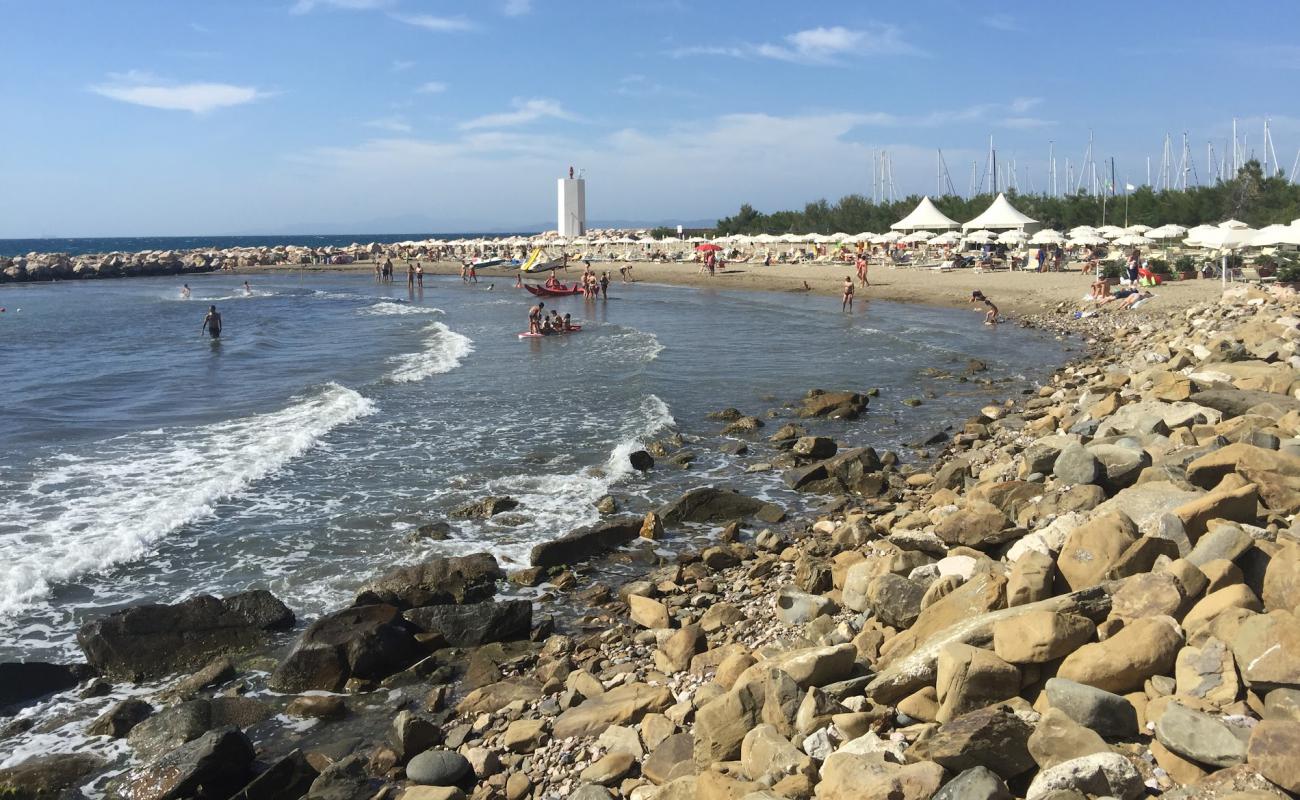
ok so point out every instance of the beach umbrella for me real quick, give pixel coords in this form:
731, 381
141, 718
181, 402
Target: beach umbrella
917, 237
1234, 225
1139, 229
1013, 237
887, 238
1088, 240
1220, 238
1166, 232
1132, 240
1047, 236
841, 237
1110, 231
951, 237
1274, 235
707, 248
1082, 230
981, 237
669, 240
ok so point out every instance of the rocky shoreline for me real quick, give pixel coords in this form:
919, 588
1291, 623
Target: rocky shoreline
1089, 593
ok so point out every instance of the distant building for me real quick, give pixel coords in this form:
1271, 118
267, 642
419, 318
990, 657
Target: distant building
572, 213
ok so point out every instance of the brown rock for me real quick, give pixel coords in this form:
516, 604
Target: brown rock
848, 776
1145, 647
1267, 650
1030, 579
1091, 549
1282, 579
1208, 673
970, 678
721, 725
1276, 473
1237, 505
618, 706
648, 612
1153, 594
1274, 750
1040, 636
676, 653
1058, 738
652, 527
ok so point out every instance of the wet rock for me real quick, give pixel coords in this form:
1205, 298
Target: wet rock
346, 779
153, 640
215, 765
367, 642
486, 508
217, 671
710, 504
26, 682
325, 707
437, 581
474, 624
814, 447
833, 405
641, 461
118, 720
48, 776
287, 777
743, 425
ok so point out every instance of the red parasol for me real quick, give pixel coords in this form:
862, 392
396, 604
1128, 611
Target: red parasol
707, 248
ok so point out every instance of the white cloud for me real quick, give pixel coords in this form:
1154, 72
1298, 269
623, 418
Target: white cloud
436, 24
392, 124
432, 87
525, 111
821, 45
1003, 22
307, 6
144, 89
517, 8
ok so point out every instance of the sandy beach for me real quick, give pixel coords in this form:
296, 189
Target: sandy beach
1014, 292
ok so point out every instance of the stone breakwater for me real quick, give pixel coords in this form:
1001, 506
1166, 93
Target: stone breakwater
1091, 592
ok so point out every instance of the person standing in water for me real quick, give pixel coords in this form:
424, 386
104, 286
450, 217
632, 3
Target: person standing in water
212, 323
991, 317
604, 285
847, 305
535, 317
248, 290
185, 292
419, 274
410, 275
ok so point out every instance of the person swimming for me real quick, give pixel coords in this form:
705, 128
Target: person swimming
185, 292
248, 290
212, 323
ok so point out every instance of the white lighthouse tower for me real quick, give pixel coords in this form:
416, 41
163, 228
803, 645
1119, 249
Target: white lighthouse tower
572, 212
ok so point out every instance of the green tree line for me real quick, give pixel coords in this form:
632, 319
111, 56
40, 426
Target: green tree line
1250, 197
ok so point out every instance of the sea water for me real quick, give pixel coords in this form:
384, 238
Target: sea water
142, 461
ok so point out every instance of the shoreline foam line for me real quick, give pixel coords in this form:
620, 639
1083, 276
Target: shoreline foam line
91, 514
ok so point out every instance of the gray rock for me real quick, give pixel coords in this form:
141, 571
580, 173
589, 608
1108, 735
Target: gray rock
583, 543
1106, 713
1076, 465
436, 581
591, 792
794, 607
217, 764
345, 779
22, 683
710, 504
118, 720
814, 447
437, 768
1199, 737
1225, 542
976, 783
1100, 774
368, 642
474, 624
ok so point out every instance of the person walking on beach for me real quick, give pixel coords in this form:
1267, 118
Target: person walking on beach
212, 323
862, 268
991, 317
535, 317
847, 305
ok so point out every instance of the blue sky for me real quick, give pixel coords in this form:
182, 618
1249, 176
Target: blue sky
178, 117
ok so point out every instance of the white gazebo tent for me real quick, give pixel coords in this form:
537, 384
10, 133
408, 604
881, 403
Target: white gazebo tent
925, 217
1001, 215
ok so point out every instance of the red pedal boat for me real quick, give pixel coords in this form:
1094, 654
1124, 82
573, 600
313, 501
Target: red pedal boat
559, 291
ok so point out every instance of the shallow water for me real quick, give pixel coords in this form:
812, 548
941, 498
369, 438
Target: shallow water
140, 461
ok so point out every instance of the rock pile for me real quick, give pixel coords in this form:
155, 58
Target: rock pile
1090, 593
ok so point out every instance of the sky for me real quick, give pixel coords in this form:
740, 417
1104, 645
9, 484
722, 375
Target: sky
193, 117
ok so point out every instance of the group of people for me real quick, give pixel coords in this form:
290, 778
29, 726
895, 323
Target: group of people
384, 270
468, 272
414, 275
540, 323
593, 286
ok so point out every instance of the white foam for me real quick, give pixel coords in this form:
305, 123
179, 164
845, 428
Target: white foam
83, 516
560, 502
385, 308
444, 351
631, 345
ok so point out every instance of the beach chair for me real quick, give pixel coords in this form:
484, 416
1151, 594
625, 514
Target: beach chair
1252, 275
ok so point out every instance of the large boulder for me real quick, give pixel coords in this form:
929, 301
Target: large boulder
1236, 402
1274, 750
850, 776
215, 765
710, 504
622, 705
992, 737
1096, 775
1092, 548
1276, 473
153, 640
366, 642
48, 776
474, 624
22, 683
833, 404
1143, 648
438, 581
584, 543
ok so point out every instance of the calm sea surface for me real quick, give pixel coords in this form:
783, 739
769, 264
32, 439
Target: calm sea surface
141, 461
131, 244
